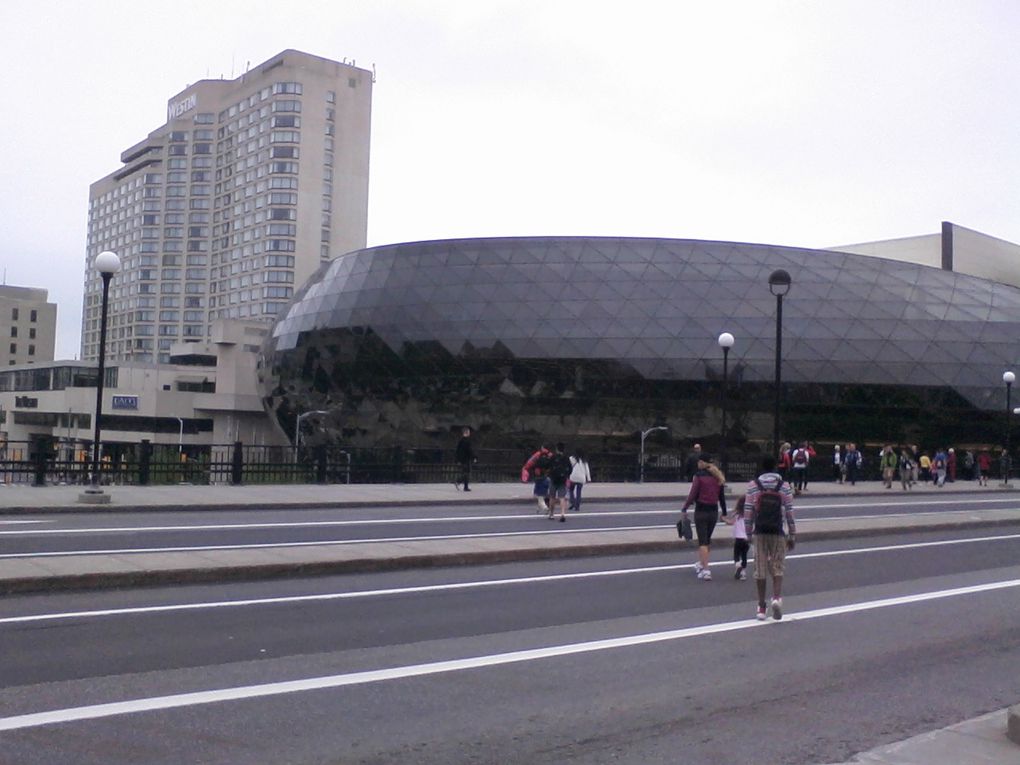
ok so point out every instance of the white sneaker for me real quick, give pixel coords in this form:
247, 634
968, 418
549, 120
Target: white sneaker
743, 575
777, 609
698, 567
705, 575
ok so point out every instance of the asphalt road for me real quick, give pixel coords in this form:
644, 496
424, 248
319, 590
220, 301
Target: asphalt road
502, 664
119, 532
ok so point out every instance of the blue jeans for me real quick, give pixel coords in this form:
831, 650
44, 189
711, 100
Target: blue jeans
575, 495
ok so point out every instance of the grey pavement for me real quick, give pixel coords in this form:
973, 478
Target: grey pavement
991, 738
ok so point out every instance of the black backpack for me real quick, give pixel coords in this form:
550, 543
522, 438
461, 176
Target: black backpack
768, 513
560, 467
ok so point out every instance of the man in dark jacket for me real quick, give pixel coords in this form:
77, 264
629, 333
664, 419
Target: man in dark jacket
691, 465
465, 457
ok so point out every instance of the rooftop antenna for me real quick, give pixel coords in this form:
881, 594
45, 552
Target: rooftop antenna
231, 66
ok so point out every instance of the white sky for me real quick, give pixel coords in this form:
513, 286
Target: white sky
796, 123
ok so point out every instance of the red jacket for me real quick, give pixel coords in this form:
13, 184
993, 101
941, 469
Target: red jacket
531, 466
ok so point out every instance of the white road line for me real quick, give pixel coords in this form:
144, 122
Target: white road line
359, 594
444, 519
239, 693
388, 540
321, 543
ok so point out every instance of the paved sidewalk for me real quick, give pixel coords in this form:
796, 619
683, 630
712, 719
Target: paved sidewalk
981, 741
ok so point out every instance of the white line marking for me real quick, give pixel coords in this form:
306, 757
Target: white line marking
239, 693
324, 542
452, 518
387, 540
359, 594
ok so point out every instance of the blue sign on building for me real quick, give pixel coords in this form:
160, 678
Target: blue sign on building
125, 402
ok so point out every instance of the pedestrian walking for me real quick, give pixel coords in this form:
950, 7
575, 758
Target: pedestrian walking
838, 471
938, 465
465, 458
951, 465
983, 467
914, 455
925, 462
768, 512
811, 454
969, 465
784, 460
853, 461
559, 474
741, 545
906, 468
799, 461
691, 464
580, 474
536, 469
887, 463
708, 497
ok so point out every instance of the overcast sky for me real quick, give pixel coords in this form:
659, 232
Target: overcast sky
795, 123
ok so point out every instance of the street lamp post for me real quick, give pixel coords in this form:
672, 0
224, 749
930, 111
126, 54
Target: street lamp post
297, 429
725, 342
107, 263
644, 434
779, 285
1009, 378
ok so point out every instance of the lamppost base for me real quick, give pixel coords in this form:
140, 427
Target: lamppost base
94, 495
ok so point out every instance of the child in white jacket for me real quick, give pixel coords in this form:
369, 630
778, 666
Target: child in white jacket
741, 544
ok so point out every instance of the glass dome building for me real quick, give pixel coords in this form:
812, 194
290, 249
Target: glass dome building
595, 339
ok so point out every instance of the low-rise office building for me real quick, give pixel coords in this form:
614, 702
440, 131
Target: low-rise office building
206, 395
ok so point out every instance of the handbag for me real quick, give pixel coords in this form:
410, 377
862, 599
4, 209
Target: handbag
683, 528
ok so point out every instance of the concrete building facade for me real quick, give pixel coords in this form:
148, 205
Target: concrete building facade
28, 326
222, 211
206, 395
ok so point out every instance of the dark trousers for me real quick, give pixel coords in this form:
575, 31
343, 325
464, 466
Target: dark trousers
575, 495
465, 474
740, 548
799, 478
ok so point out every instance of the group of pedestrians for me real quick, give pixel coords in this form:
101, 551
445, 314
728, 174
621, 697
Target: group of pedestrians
763, 513
559, 479
911, 466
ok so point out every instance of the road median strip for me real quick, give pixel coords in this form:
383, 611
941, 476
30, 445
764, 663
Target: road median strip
32, 574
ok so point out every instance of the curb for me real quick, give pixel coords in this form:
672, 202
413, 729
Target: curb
252, 572
1013, 724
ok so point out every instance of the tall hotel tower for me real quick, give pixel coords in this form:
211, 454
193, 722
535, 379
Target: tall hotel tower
233, 203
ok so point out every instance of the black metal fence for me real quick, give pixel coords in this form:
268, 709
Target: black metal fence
49, 461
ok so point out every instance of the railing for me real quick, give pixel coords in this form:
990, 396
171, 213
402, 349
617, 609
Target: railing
46, 461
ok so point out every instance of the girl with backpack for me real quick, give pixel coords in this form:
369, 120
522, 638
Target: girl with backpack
708, 498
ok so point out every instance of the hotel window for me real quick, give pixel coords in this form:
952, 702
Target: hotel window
287, 87
31, 350
33, 315
14, 331
14, 347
